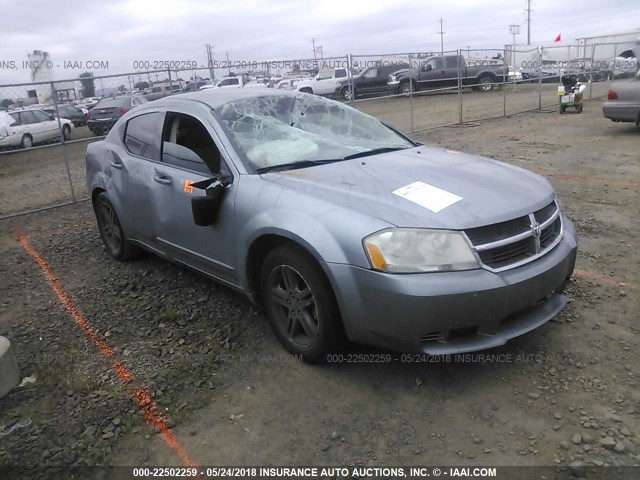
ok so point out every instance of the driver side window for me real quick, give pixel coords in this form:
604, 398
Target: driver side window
371, 73
186, 143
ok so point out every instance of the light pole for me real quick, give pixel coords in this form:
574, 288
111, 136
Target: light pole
514, 30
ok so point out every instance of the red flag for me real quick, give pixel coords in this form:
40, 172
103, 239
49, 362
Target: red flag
558, 39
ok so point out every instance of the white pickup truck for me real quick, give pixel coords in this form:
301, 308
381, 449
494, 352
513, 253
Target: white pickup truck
324, 83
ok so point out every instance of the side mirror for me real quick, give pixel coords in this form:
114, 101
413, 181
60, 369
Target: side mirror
205, 209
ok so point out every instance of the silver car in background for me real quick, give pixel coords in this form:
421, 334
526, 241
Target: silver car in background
340, 227
623, 103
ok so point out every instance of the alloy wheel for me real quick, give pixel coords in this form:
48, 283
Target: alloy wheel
111, 231
295, 306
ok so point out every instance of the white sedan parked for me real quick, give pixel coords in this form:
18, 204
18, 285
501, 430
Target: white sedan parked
27, 127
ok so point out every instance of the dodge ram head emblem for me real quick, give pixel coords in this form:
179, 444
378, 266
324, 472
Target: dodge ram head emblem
536, 230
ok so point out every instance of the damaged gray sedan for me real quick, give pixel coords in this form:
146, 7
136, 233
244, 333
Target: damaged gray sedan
339, 226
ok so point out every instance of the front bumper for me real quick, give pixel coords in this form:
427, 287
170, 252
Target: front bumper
453, 312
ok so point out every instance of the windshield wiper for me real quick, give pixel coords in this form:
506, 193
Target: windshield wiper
375, 151
296, 165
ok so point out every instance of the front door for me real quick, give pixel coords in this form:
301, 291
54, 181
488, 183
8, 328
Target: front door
190, 155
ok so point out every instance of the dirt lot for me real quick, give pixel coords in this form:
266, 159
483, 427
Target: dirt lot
565, 394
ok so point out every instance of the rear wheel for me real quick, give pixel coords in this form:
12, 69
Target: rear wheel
66, 132
485, 83
111, 231
27, 141
300, 304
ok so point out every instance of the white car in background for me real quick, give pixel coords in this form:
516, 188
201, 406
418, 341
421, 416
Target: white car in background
324, 83
25, 128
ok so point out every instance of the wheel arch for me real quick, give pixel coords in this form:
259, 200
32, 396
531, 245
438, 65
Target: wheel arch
264, 243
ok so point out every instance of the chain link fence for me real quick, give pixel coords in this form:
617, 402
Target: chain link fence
46, 126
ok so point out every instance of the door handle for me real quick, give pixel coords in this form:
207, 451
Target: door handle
162, 179
117, 165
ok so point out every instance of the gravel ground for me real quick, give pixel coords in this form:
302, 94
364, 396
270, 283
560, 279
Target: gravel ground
566, 394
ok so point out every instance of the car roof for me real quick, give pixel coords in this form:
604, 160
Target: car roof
215, 98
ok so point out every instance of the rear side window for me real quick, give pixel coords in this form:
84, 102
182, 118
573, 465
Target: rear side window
16, 117
28, 118
341, 73
452, 62
142, 135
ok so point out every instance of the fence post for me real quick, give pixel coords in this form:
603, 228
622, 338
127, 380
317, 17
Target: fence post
540, 55
411, 99
459, 86
350, 77
170, 81
593, 54
505, 75
62, 141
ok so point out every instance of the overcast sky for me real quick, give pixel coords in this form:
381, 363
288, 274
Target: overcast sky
123, 31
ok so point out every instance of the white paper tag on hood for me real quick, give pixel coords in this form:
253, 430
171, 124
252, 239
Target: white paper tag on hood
427, 196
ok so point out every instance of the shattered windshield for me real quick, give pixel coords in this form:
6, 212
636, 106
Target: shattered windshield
274, 130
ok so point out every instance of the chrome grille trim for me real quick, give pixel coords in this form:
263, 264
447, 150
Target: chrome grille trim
535, 233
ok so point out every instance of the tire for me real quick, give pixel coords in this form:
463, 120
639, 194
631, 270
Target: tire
27, 141
405, 88
485, 83
562, 109
113, 236
306, 90
66, 132
346, 94
312, 327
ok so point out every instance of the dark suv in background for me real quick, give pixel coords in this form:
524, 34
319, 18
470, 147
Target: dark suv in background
370, 81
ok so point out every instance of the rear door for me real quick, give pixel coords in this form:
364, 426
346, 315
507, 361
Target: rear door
131, 172
32, 126
191, 153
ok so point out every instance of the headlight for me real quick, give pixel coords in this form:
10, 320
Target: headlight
412, 250
392, 78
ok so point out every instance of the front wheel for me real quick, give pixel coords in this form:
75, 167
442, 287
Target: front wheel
27, 141
111, 231
405, 88
66, 132
300, 304
306, 90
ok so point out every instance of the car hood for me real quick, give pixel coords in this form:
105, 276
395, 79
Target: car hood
490, 191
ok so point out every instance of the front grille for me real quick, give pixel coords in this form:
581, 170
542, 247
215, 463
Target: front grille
511, 253
507, 244
497, 231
